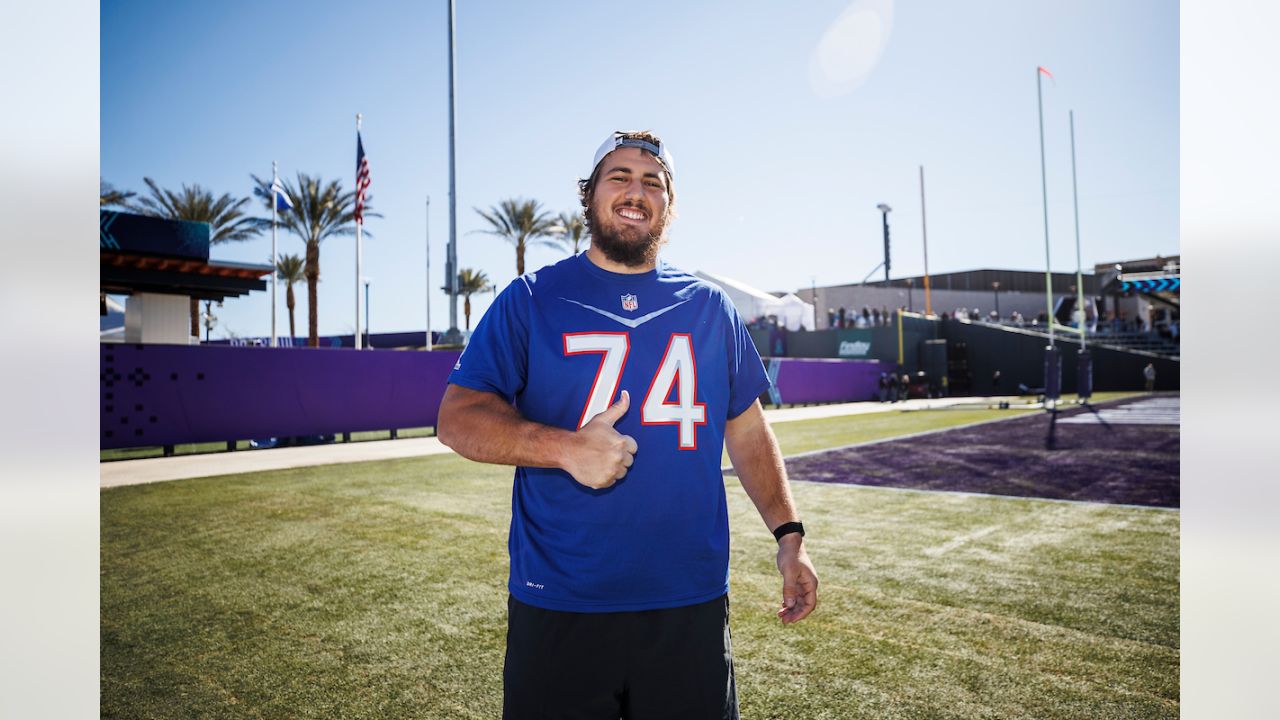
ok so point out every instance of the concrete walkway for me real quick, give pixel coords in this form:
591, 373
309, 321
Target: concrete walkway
180, 467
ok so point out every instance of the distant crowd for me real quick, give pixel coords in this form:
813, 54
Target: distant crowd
849, 318
1159, 322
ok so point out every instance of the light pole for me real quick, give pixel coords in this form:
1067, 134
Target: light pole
452, 336
924, 231
813, 282
367, 334
995, 289
884, 216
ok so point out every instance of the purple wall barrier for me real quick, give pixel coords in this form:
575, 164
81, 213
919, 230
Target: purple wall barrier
170, 394
809, 380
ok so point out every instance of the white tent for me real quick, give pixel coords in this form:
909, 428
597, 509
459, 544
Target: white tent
796, 313
753, 303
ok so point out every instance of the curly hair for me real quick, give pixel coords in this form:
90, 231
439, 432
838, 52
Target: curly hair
587, 186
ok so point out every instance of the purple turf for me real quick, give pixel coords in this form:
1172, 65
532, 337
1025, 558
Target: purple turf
1027, 457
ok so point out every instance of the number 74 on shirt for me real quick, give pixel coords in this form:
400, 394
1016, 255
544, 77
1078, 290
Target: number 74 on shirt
677, 371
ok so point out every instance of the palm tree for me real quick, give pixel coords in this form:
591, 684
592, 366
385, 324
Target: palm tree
574, 235
470, 281
320, 210
289, 269
226, 215
519, 222
108, 196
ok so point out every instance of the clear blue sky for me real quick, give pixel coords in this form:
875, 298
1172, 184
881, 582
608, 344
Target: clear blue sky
779, 168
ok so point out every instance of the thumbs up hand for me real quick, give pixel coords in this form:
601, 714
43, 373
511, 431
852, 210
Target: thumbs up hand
599, 455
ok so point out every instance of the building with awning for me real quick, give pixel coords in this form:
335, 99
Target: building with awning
1159, 279
161, 265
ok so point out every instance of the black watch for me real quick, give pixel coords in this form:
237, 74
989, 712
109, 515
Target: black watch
788, 528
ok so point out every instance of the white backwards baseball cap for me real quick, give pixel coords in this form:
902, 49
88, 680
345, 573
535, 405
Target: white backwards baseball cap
616, 140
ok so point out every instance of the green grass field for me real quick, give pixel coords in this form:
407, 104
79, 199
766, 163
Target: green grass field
377, 590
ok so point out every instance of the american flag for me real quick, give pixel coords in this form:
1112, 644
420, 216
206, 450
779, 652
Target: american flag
362, 178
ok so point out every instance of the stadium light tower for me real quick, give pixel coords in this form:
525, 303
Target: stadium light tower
452, 336
884, 216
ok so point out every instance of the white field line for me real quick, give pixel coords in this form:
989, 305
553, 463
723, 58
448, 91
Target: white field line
959, 540
865, 443
922, 433
967, 493
185, 467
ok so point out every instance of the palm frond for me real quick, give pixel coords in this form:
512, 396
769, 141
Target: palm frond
108, 196
289, 268
520, 222
472, 281
227, 216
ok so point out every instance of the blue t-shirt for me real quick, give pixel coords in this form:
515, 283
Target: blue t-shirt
561, 344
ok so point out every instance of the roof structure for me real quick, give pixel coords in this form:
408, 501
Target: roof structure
1158, 279
146, 254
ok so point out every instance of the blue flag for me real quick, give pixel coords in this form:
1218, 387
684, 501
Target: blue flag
282, 198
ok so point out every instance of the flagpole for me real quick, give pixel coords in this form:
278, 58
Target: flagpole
428, 273
1044, 192
275, 177
924, 229
359, 247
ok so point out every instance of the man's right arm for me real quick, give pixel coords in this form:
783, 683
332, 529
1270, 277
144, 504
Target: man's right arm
484, 427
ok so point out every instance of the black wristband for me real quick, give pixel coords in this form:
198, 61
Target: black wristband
786, 529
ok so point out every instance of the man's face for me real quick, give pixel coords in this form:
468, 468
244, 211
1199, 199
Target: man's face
628, 212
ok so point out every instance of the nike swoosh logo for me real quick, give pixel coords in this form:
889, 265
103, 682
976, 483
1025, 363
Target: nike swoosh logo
629, 322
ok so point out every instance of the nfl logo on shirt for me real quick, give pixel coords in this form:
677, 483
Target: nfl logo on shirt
629, 302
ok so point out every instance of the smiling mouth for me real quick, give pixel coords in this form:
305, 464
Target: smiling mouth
631, 214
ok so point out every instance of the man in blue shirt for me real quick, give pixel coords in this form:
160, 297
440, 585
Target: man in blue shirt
619, 537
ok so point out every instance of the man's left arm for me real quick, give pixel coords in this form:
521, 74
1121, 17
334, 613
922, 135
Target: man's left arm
757, 460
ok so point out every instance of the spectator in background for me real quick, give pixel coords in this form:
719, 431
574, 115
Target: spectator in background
875, 317
1149, 375
884, 313
831, 318
893, 387
840, 317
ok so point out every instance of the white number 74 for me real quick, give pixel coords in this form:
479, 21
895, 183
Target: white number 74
677, 370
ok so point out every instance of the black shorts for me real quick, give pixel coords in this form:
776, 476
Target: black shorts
672, 664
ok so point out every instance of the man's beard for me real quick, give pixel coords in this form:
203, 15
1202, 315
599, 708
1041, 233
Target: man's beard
626, 244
